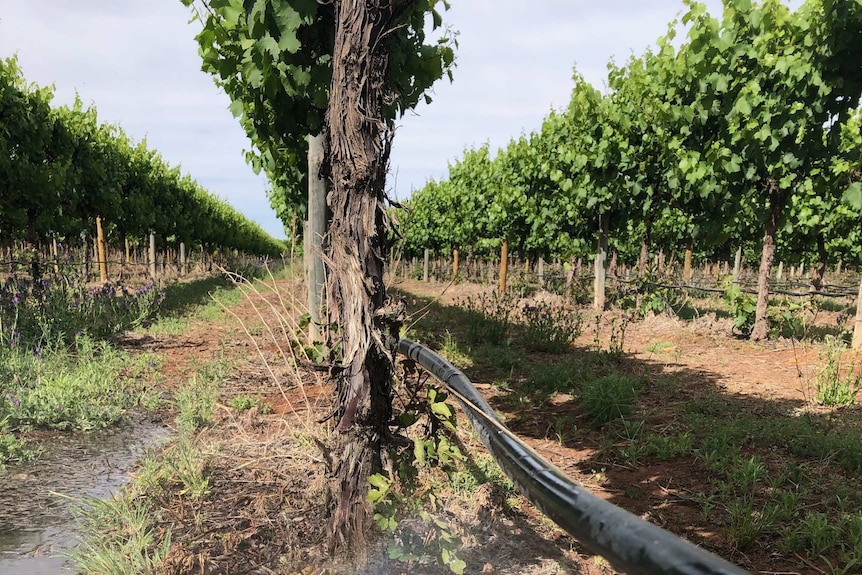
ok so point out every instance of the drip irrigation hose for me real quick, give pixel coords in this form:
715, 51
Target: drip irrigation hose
628, 542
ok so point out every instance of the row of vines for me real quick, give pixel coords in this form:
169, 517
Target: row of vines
60, 169
748, 134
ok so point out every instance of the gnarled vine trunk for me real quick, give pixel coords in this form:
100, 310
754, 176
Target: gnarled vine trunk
356, 248
823, 260
776, 199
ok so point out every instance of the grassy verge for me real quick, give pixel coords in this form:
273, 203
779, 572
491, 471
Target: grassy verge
126, 534
90, 385
60, 367
174, 509
86, 387
205, 301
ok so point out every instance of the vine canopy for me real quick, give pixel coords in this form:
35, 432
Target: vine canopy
274, 59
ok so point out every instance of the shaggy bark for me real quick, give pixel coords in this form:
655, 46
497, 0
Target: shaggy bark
644, 256
356, 249
760, 331
820, 272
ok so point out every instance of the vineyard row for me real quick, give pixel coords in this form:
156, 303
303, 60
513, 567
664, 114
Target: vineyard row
119, 263
61, 170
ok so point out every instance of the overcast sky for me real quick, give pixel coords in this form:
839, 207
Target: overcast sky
137, 61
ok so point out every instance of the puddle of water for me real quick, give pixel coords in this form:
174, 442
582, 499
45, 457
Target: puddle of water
36, 527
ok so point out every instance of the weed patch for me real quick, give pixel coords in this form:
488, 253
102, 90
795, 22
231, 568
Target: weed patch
550, 328
835, 385
492, 313
39, 315
196, 399
88, 388
553, 377
117, 536
14, 450
609, 398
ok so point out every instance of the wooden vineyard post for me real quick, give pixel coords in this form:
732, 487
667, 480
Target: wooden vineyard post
183, 264
599, 268
316, 230
85, 255
686, 269
129, 263
857, 330
151, 257
100, 243
737, 265
540, 270
425, 265
455, 256
293, 238
504, 266
56, 253
780, 273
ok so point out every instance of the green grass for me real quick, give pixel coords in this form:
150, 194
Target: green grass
170, 325
14, 450
117, 537
836, 385
204, 301
182, 298
183, 465
453, 353
196, 399
554, 377
609, 398
247, 402
478, 470
89, 387
198, 300
659, 346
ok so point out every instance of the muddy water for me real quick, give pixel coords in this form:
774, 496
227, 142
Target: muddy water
36, 527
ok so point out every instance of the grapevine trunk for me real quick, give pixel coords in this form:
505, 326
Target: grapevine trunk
760, 331
356, 248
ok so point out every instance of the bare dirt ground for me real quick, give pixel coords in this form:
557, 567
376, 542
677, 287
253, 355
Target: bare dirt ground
698, 360
264, 512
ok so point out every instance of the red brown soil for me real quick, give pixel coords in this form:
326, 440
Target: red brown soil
708, 360
264, 513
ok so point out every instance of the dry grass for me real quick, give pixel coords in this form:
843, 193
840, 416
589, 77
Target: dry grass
265, 511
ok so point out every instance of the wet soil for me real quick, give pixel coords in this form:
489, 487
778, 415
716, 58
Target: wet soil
37, 529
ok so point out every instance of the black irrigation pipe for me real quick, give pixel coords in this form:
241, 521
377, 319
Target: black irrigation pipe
850, 291
626, 541
746, 290
52, 262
